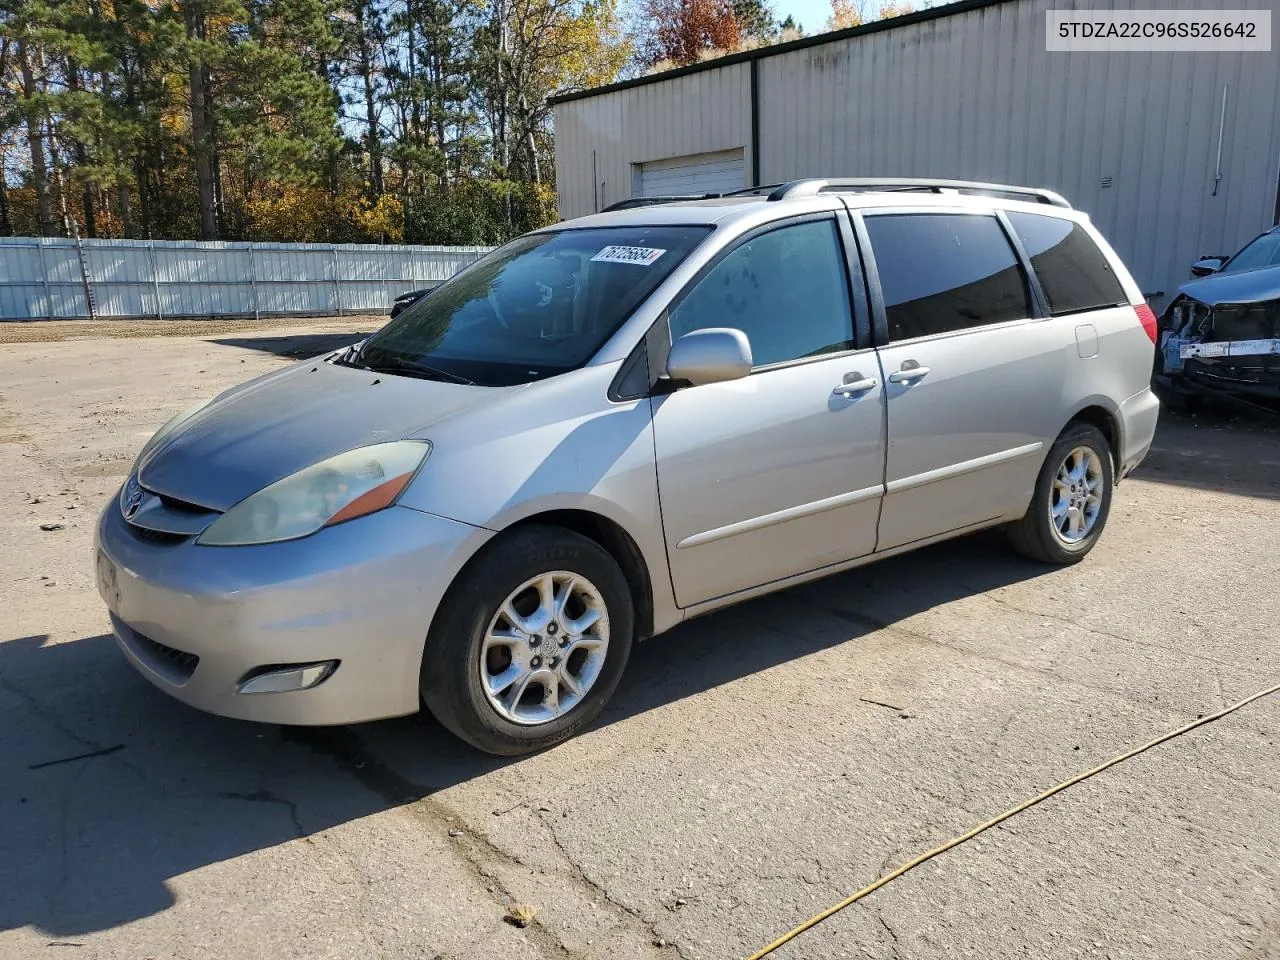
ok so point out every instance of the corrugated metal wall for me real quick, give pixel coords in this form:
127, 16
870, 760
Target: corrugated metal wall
609, 135
976, 96
41, 278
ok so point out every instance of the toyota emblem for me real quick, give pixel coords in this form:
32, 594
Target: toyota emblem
133, 499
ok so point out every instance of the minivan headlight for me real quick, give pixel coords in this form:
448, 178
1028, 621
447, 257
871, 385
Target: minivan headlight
346, 486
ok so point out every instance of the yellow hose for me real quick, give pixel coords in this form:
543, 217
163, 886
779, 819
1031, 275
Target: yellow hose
1000, 818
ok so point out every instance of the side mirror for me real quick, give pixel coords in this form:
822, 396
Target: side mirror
710, 356
1202, 268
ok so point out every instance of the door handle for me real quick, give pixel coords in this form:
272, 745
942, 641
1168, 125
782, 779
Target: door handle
908, 374
851, 387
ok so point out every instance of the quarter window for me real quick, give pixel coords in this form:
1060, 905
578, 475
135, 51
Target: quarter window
1073, 273
785, 289
945, 272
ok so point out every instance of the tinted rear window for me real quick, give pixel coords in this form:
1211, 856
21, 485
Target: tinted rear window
1073, 272
943, 272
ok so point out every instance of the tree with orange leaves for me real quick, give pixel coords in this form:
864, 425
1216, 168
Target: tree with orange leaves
681, 32
896, 9
846, 13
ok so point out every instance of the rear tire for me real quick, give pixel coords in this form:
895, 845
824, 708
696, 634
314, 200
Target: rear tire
517, 611
1072, 499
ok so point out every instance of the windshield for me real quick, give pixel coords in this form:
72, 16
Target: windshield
536, 307
1263, 252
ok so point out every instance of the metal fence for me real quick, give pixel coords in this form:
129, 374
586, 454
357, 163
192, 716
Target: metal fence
52, 279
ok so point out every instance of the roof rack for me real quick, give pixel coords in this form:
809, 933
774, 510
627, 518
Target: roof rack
758, 188
650, 201
813, 186
686, 197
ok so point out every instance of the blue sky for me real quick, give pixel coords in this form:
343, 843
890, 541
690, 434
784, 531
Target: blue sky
811, 14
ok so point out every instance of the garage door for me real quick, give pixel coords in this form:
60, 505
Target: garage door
719, 172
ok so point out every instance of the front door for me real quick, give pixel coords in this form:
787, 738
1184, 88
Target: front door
974, 381
780, 472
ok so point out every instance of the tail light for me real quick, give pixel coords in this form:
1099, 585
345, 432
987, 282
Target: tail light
1148, 320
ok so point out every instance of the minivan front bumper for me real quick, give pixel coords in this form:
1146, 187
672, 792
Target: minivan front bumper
197, 621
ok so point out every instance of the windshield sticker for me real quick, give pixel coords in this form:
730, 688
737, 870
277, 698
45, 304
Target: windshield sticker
640, 256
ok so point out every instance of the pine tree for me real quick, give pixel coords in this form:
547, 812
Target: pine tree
317, 119
756, 19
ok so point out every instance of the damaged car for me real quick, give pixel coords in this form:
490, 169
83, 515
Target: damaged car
1262, 251
406, 300
1220, 336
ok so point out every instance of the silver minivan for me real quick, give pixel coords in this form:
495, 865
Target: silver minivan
612, 425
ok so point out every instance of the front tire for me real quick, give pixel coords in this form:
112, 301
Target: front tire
530, 642
1072, 499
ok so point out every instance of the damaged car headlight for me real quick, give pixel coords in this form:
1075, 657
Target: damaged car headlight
349, 485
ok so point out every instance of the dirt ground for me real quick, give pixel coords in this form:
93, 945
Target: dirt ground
755, 766
49, 331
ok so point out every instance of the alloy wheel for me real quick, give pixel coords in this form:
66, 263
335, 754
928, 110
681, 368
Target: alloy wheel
544, 648
1077, 495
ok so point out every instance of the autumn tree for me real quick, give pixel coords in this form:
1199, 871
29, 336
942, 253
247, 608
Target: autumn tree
557, 45
895, 10
340, 120
846, 13
529, 49
854, 13
681, 32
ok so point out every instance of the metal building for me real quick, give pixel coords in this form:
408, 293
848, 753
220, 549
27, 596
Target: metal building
1173, 155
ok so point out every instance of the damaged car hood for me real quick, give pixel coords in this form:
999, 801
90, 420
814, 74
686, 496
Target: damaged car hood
272, 427
1247, 286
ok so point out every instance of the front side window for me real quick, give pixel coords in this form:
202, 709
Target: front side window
1073, 273
945, 272
536, 307
1262, 252
785, 289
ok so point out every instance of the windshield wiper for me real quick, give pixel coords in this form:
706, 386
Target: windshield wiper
349, 357
414, 369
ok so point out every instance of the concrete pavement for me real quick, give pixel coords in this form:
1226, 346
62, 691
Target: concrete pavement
756, 765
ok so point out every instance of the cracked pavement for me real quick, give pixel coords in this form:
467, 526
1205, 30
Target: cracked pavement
756, 765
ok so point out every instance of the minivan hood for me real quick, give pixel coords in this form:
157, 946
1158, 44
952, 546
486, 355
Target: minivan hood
267, 429
1247, 286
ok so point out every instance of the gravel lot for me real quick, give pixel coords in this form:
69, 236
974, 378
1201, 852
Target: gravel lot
756, 765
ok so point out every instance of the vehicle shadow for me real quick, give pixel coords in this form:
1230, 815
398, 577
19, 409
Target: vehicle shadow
297, 346
92, 842
1216, 451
